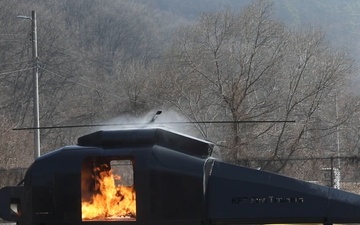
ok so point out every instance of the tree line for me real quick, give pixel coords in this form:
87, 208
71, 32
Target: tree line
101, 60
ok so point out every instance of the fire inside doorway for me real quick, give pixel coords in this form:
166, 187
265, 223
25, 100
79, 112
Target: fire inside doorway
107, 190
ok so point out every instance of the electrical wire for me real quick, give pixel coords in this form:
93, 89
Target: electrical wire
11, 63
11, 40
19, 34
80, 84
16, 71
77, 77
85, 57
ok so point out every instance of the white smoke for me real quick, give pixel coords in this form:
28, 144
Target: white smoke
167, 119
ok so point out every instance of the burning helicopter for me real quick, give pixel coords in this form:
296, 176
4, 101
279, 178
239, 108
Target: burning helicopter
156, 176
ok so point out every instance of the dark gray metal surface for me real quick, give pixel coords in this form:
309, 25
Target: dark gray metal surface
176, 184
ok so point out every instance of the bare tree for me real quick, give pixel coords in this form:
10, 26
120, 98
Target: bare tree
314, 72
81, 49
227, 67
16, 150
248, 66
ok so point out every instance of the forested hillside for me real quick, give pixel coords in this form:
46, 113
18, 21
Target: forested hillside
340, 19
118, 60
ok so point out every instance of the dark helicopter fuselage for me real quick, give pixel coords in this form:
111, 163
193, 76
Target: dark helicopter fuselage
171, 180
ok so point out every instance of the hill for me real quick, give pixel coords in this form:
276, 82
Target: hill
339, 19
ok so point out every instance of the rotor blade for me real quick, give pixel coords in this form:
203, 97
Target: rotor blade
159, 123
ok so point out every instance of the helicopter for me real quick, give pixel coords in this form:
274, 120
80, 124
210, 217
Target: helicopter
159, 176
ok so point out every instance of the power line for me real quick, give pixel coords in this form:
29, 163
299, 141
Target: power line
11, 63
80, 84
79, 77
11, 34
16, 71
11, 40
87, 58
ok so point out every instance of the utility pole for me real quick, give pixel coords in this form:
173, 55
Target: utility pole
36, 87
35, 83
338, 171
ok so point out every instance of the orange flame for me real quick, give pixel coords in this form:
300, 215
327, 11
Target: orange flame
109, 201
